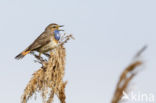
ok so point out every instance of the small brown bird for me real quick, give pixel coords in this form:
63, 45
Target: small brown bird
45, 42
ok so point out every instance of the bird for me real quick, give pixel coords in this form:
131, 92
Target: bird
45, 42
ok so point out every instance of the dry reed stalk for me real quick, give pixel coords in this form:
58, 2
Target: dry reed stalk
125, 78
48, 80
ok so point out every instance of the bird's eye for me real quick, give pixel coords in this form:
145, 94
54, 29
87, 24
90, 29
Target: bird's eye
54, 26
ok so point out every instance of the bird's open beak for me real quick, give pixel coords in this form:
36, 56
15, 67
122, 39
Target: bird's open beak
60, 30
61, 25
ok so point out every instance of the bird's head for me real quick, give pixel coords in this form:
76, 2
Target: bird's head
52, 27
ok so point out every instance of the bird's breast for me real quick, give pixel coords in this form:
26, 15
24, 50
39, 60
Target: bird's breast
53, 42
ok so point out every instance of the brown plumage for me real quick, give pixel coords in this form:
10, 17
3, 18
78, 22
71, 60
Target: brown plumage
45, 42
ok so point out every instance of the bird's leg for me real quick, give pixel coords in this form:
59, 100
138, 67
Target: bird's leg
46, 54
39, 58
39, 54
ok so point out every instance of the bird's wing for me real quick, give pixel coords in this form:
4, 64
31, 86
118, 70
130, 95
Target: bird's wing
40, 41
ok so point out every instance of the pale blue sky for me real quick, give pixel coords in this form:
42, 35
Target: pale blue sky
108, 33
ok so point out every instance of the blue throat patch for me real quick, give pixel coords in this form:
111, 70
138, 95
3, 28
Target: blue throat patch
57, 34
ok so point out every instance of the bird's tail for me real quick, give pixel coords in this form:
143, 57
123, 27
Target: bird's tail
21, 55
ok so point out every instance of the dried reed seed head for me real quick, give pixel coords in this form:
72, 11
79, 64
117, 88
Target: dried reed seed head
51, 77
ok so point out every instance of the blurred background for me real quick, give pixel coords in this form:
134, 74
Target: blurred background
108, 33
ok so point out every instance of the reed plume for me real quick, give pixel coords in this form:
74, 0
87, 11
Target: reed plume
48, 80
126, 76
